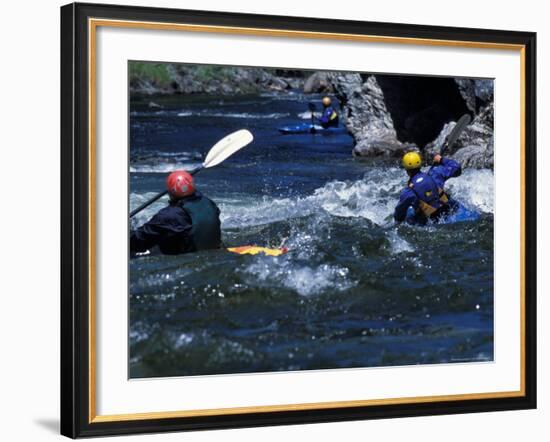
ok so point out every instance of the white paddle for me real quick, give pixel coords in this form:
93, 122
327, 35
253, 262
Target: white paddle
222, 150
226, 147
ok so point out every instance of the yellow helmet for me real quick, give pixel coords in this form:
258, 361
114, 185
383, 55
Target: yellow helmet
412, 160
326, 101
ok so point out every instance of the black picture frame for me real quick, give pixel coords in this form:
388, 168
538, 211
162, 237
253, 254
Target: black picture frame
75, 220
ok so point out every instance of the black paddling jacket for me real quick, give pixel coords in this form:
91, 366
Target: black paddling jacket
185, 225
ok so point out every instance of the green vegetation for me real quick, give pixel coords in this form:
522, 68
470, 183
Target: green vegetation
151, 78
209, 72
156, 73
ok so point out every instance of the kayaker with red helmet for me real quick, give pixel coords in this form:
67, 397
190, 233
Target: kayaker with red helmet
189, 223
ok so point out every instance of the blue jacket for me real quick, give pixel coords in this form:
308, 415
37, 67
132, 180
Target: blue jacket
185, 225
435, 177
329, 117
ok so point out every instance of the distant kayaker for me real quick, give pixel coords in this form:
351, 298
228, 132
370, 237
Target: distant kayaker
329, 116
189, 223
424, 198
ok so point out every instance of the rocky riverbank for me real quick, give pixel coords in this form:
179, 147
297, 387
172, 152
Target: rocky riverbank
169, 78
386, 115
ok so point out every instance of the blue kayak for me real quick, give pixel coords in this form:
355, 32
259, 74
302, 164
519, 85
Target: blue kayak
461, 214
308, 128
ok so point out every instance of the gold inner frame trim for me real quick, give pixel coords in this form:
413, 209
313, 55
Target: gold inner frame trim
299, 34
93, 24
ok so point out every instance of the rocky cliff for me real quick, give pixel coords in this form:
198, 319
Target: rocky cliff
390, 114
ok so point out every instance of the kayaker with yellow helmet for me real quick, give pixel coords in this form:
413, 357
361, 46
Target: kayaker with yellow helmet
424, 198
329, 116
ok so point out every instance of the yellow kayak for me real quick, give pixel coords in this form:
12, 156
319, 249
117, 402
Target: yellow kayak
254, 250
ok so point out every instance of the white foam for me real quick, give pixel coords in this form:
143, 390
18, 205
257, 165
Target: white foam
179, 154
370, 198
216, 114
475, 188
184, 339
136, 199
305, 280
163, 167
306, 115
374, 198
398, 244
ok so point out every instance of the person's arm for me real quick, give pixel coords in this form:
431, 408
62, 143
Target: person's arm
146, 236
445, 168
406, 200
165, 223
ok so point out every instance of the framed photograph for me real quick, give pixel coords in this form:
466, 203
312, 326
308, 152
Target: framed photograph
275, 220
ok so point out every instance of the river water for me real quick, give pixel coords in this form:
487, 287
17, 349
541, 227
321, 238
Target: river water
355, 290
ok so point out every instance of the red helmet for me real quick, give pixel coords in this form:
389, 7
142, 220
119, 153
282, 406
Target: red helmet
180, 184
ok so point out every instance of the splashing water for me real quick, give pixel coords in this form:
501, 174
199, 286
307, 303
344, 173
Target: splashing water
305, 280
163, 167
354, 290
373, 198
475, 189
398, 244
306, 115
240, 115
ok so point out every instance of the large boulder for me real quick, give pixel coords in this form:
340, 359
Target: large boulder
475, 146
366, 116
318, 82
476, 93
389, 114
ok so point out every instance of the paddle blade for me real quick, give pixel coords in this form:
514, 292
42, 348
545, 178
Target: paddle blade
461, 124
227, 146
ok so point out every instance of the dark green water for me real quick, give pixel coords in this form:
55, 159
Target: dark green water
354, 291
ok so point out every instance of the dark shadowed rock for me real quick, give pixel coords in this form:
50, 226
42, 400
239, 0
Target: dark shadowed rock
420, 106
390, 114
467, 90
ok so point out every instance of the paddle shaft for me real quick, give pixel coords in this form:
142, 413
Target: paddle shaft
159, 195
312, 108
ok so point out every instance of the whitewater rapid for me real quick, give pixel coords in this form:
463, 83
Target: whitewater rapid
373, 197
354, 283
